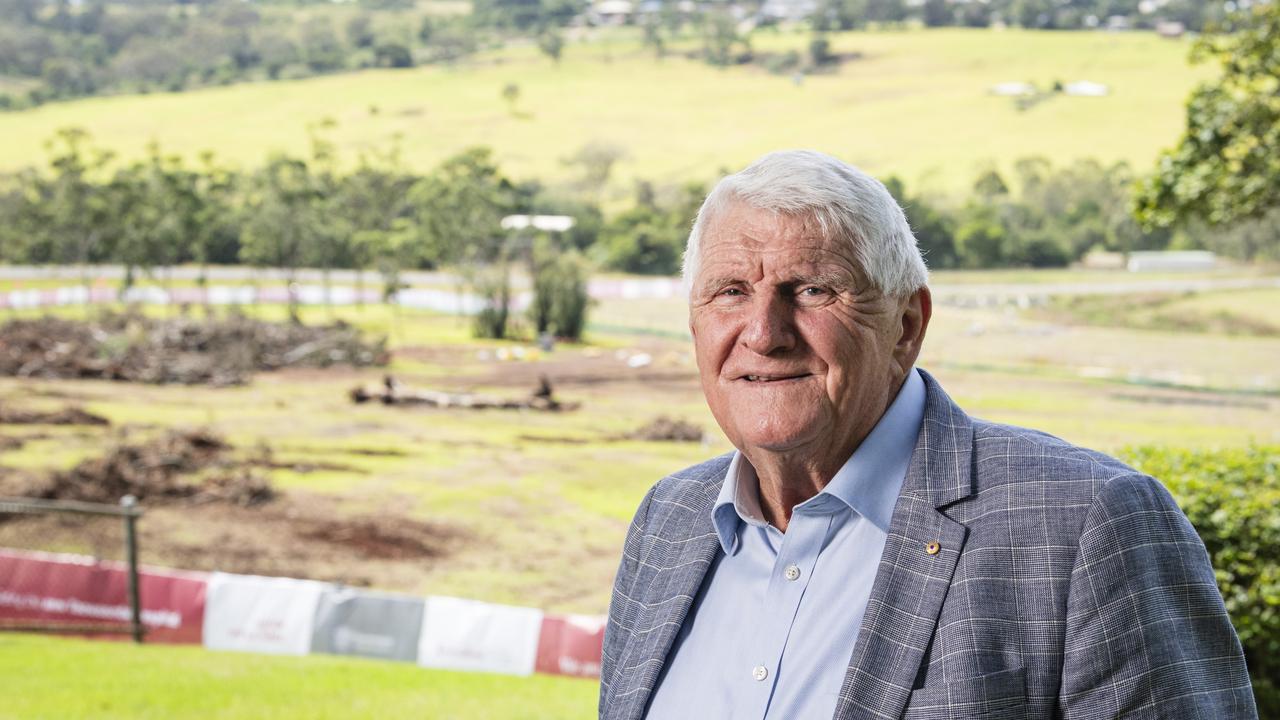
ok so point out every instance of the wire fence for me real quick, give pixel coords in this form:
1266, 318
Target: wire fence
95, 530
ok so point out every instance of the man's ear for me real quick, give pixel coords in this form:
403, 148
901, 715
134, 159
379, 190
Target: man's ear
915, 313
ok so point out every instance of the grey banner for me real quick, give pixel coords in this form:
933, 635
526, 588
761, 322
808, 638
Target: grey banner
352, 622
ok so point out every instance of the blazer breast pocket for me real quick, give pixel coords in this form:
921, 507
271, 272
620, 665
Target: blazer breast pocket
998, 696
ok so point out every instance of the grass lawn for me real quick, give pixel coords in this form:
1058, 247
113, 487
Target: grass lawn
60, 678
914, 103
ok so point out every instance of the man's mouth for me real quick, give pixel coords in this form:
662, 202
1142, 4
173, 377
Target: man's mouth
773, 378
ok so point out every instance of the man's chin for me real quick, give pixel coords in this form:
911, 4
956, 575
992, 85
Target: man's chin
778, 440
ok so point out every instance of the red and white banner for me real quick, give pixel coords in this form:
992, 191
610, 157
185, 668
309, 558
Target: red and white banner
279, 616
462, 634
260, 614
571, 645
74, 589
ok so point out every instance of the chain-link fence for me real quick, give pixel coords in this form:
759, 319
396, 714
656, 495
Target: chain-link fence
39, 595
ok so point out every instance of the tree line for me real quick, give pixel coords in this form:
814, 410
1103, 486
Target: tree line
60, 49
84, 208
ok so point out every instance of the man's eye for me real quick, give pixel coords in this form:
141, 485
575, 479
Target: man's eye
731, 292
813, 291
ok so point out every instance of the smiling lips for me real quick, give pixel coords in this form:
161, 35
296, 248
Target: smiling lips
773, 378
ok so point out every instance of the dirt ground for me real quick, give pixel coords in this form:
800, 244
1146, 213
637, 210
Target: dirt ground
211, 507
298, 535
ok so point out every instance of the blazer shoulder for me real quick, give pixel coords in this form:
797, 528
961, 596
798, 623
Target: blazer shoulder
694, 481
1000, 442
1041, 470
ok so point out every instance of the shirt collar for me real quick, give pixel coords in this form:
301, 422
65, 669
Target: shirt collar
868, 482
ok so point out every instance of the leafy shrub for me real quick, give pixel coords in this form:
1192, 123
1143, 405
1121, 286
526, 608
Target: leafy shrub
1232, 497
560, 297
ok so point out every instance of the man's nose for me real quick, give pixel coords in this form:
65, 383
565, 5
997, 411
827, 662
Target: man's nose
769, 326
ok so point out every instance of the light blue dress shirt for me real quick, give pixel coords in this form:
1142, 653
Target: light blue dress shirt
772, 629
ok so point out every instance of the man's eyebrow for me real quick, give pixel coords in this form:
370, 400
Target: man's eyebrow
824, 279
718, 281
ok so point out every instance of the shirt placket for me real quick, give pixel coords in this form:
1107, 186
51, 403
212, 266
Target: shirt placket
792, 569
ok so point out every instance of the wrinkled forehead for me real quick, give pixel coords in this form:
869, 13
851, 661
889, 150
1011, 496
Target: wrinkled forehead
736, 219
755, 239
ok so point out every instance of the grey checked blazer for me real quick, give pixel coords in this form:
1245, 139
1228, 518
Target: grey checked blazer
1067, 586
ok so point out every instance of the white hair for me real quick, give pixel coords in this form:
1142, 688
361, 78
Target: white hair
843, 201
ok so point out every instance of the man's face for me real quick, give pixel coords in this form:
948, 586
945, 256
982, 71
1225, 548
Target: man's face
797, 353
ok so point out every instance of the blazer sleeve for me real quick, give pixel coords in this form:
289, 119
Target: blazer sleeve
623, 605
1147, 634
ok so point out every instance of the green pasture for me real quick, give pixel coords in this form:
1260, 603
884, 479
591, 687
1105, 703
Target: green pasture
110, 681
914, 103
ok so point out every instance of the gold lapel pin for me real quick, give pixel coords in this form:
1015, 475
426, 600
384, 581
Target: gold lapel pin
933, 547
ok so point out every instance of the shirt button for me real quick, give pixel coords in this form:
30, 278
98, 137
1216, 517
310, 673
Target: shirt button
760, 672
791, 573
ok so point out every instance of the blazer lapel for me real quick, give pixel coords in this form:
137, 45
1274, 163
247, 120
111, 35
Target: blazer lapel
669, 597
920, 556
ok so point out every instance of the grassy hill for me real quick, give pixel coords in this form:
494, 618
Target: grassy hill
915, 103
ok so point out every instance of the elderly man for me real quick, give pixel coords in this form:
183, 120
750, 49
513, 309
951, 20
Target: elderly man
871, 551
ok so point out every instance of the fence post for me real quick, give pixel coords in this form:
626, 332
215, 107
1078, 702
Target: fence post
128, 502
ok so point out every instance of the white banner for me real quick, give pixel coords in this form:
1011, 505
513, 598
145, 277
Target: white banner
468, 635
260, 614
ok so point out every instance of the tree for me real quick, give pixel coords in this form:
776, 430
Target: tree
820, 50
990, 185
720, 38
653, 39
551, 43
393, 55
160, 206
371, 204
81, 215
217, 226
560, 298
320, 47
937, 13
981, 238
360, 31
282, 219
649, 238
452, 42
594, 163
458, 210
1225, 166
511, 95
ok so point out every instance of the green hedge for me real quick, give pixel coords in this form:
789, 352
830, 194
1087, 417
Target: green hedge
1232, 497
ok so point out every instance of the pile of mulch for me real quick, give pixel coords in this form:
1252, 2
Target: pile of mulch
663, 428
182, 350
191, 466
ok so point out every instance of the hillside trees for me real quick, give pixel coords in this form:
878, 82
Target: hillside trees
458, 210
82, 49
1226, 167
649, 238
